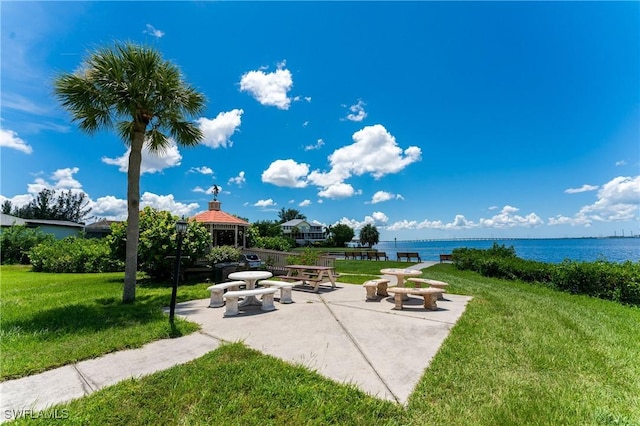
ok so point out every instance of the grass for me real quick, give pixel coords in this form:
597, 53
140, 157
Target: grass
49, 320
520, 354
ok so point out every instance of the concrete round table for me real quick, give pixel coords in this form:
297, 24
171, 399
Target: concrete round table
400, 273
250, 277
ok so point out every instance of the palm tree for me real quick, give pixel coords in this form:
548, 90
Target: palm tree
132, 89
369, 235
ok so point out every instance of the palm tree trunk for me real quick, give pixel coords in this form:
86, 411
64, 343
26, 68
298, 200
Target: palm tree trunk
133, 215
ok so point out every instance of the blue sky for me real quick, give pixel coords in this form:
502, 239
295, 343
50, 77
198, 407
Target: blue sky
426, 119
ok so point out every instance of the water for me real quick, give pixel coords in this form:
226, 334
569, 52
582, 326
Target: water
542, 250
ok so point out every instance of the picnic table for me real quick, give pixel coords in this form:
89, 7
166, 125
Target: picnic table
310, 274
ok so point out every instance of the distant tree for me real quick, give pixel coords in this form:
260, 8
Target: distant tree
6, 207
286, 215
68, 206
369, 235
133, 90
342, 234
268, 228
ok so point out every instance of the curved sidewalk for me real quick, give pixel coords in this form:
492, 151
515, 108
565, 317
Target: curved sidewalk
335, 332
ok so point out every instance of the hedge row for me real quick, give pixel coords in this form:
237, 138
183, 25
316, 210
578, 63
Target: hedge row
74, 254
619, 282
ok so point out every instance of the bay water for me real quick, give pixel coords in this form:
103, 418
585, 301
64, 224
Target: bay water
542, 250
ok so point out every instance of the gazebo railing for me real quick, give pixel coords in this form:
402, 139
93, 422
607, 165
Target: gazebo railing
277, 260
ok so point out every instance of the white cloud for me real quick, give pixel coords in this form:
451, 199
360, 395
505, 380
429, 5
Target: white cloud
337, 190
218, 131
381, 196
269, 88
374, 151
583, 188
238, 180
65, 180
380, 217
286, 173
304, 203
152, 162
265, 203
357, 112
112, 208
621, 163
319, 144
204, 170
507, 218
152, 31
618, 200
10, 139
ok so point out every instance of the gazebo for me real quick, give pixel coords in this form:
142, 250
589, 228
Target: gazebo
225, 229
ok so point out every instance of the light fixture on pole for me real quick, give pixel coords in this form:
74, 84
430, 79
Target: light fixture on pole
181, 230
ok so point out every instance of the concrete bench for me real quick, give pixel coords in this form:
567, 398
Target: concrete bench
429, 283
430, 296
232, 299
217, 290
285, 289
376, 287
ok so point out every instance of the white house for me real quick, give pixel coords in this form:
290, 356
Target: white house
305, 233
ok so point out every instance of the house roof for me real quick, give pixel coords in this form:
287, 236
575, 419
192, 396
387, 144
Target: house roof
218, 216
8, 220
297, 222
104, 223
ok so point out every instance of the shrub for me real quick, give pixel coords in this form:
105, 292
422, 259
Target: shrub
222, 254
17, 240
606, 280
307, 257
73, 255
158, 242
274, 243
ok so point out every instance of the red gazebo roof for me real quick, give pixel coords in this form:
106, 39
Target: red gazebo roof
217, 216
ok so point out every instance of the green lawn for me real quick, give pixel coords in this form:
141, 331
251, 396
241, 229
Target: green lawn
520, 355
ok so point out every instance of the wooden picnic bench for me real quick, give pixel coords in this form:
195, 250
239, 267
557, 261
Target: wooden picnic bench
408, 255
307, 274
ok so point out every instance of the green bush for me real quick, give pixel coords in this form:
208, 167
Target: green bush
223, 254
606, 280
274, 243
307, 257
73, 255
158, 243
17, 240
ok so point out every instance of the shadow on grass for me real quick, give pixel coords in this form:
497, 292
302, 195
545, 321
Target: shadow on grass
93, 316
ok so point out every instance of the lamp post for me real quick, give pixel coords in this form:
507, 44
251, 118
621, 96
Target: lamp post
181, 229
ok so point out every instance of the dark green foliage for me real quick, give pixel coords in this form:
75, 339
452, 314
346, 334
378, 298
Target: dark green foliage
46, 205
74, 255
267, 228
606, 280
17, 240
158, 242
274, 243
341, 234
286, 215
369, 235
